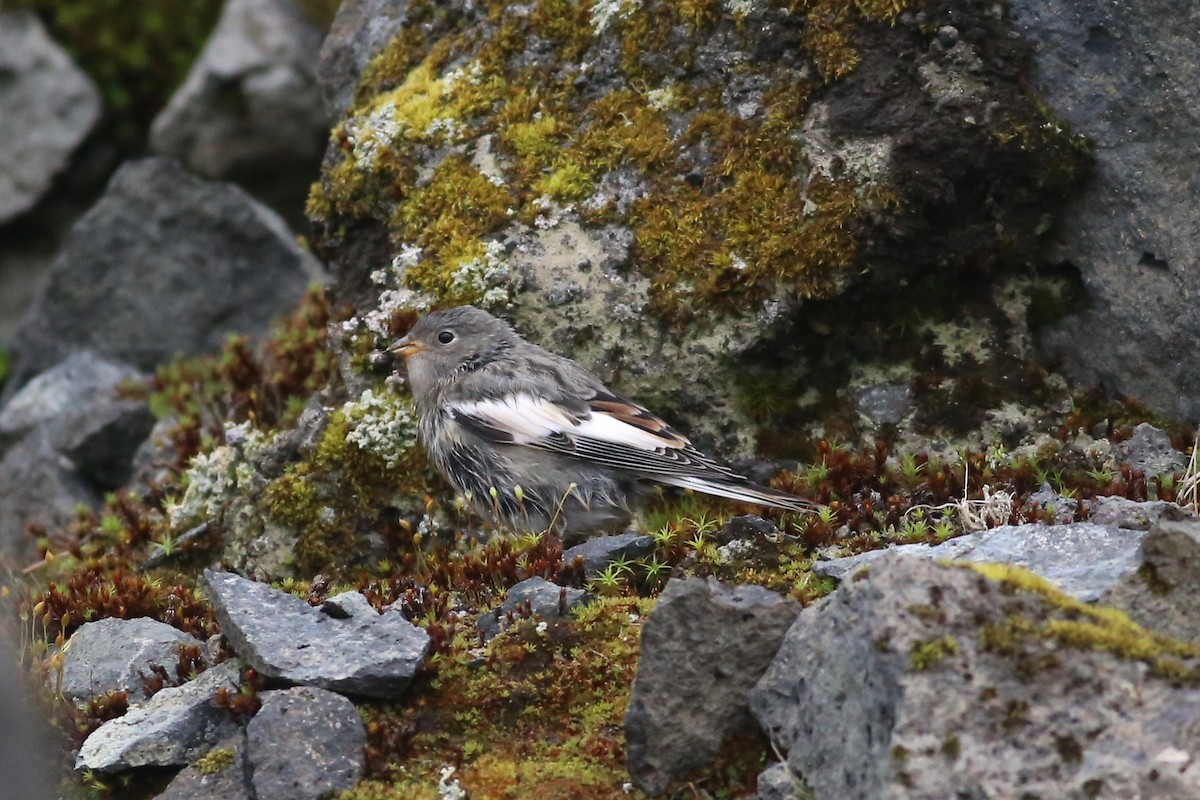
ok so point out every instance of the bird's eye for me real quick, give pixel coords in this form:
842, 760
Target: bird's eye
446, 337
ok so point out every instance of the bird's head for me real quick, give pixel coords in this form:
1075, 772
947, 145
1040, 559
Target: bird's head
444, 343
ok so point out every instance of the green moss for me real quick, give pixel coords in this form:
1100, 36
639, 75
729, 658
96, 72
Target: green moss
449, 216
216, 760
925, 655
749, 231
540, 708
1083, 627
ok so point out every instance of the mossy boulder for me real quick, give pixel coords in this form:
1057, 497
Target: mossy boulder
659, 188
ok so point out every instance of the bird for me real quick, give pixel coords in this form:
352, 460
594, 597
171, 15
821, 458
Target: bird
536, 443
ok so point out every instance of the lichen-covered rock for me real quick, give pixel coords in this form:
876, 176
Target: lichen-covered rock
1118, 73
250, 105
164, 264
657, 188
703, 648
47, 107
1164, 595
921, 681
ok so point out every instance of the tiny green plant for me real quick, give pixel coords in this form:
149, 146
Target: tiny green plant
909, 467
815, 473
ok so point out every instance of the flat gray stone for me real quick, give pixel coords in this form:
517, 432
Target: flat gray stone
114, 655
48, 106
175, 726
1081, 559
304, 744
357, 652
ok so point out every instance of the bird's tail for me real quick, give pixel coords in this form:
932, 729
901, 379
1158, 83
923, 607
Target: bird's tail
746, 492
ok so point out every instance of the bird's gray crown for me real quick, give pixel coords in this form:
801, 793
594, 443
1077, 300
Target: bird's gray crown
465, 321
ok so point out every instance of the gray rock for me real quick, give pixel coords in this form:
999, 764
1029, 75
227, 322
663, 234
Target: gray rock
1164, 595
175, 726
1060, 509
359, 31
1120, 512
304, 744
884, 403
78, 404
777, 782
1150, 451
47, 107
597, 553
1081, 559
164, 264
1122, 73
282, 636
39, 487
114, 655
703, 648
923, 682
547, 601
221, 775
250, 102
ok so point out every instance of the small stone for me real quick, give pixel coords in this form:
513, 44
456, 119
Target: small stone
600, 551
357, 652
115, 655
175, 726
547, 601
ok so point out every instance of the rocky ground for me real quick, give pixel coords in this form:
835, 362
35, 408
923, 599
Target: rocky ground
925, 262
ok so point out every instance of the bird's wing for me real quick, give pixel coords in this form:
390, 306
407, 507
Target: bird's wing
609, 430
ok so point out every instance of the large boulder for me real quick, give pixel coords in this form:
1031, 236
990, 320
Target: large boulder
1123, 74
47, 107
658, 192
923, 681
164, 264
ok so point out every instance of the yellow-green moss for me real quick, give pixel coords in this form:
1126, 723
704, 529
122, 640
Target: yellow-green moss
752, 229
1084, 627
926, 655
216, 760
535, 708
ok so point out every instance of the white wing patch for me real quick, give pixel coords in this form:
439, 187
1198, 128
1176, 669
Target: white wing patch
530, 420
